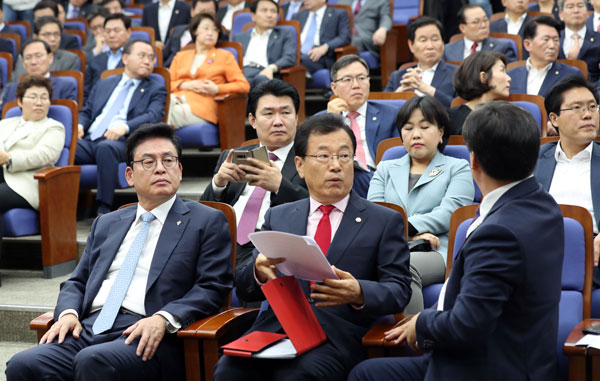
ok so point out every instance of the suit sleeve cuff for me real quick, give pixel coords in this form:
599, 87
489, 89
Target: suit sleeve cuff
174, 325
68, 311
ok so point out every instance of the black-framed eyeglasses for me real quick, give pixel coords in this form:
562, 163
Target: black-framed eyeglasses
169, 162
325, 158
581, 109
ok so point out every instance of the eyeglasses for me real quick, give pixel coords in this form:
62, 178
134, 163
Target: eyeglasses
169, 162
578, 110
143, 56
326, 158
573, 6
50, 34
30, 57
35, 98
478, 22
347, 80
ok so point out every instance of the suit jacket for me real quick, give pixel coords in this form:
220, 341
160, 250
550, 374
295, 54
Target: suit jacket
373, 14
39, 149
588, 53
173, 44
500, 317
180, 15
500, 26
189, 277
9, 29
335, 30
380, 125
6, 46
94, 70
68, 41
433, 199
374, 251
558, 71
63, 60
286, 7
589, 23
147, 104
544, 171
281, 47
454, 51
61, 89
442, 81
220, 66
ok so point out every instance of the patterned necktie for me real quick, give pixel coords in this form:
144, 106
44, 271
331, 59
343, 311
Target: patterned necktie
250, 214
112, 112
309, 39
106, 317
474, 47
574, 49
360, 151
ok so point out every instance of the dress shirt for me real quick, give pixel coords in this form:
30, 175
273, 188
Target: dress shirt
468, 45
2, 25
164, 18
185, 39
320, 12
114, 58
514, 27
596, 21
136, 294
571, 183
362, 4
568, 41
427, 77
536, 77
121, 117
293, 9
71, 10
256, 53
335, 217
227, 21
240, 205
361, 119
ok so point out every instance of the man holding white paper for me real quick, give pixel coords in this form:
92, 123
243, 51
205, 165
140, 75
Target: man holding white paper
364, 243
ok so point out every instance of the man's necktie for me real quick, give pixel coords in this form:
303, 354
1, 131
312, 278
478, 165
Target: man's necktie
309, 39
112, 112
323, 233
598, 30
574, 49
360, 151
357, 7
250, 214
74, 12
474, 47
106, 317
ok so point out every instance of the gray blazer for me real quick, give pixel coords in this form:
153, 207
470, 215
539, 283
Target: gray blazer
281, 48
63, 60
373, 14
454, 51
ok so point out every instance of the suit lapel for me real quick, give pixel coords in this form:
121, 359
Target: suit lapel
154, 19
432, 172
371, 126
551, 77
273, 37
302, 16
400, 182
545, 168
588, 42
289, 167
595, 181
138, 93
103, 96
327, 17
174, 16
352, 222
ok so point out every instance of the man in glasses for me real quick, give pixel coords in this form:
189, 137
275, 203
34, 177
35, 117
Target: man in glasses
147, 271
116, 107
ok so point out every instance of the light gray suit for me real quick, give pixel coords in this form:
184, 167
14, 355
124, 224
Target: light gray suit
63, 60
373, 14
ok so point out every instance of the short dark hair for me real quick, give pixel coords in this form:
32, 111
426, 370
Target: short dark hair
275, 87
421, 22
129, 44
561, 3
254, 5
344, 61
104, 2
504, 138
29, 81
30, 41
50, 4
196, 20
320, 124
206, 1
102, 12
119, 16
530, 29
433, 112
467, 81
39, 24
461, 13
150, 131
555, 97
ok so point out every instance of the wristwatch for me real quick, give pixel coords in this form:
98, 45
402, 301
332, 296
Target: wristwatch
9, 163
168, 326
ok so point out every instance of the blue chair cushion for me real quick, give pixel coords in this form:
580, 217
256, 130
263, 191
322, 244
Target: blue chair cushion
198, 135
89, 176
321, 79
574, 260
596, 304
372, 61
431, 294
533, 110
569, 314
19, 222
80, 25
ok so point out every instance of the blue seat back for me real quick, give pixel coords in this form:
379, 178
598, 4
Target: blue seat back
13, 43
398, 103
140, 34
79, 25
533, 110
372, 61
4, 71
232, 50
22, 30
239, 21
404, 10
135, 11
513, 44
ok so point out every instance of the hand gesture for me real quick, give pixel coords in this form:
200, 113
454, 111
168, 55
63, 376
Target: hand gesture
265, 269
115, 133
228, 171
67, 323
337, 105
150, 330
404, 331
433, 240
335, 292
316, 53
260, 174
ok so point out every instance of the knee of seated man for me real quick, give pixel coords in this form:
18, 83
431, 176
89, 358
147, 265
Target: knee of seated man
89, 361
22, 366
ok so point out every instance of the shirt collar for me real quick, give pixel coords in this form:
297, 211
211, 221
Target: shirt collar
169, 5
266, 33
124, 79
237, 7
469, 43
119, 52
160, 212
433, 68
586, 153
581, 32
47, 75
320, 11
490, 199
530, 67
362, 110
340, 205
520, 20
282, 152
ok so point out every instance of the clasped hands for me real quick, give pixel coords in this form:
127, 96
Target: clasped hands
413, 80
113, 133
260, 174
200, 86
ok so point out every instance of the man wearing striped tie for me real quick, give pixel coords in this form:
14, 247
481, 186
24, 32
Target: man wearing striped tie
147, 271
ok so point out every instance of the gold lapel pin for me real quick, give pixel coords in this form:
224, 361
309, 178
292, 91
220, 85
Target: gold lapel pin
176, 11
358, 219
178, 222
556, 72
374, 118
141, 90
491, 45
435, 172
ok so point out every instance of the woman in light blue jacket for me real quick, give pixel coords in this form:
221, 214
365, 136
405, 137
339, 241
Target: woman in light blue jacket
429, 185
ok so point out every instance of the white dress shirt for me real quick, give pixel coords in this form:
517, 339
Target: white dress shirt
361, 119
113, 58
571, 183
427, 77
596, 21
468, 45
514, 27
256, 53
293, 8
568, 41
164, 18
227, 21
320, 12
535, 77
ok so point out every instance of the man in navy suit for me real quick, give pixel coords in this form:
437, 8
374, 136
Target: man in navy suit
117, 31
576, 40
431, 75
162, 16
183, 273
116, 107
50, 8
291, 8
514, 20
476, 332
267, 48
570, 168
475, 25
371, 122
332, 30
543, 44
593, 21
364, 244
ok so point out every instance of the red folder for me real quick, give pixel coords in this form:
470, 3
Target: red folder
295, 316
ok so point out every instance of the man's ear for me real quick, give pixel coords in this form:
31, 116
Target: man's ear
129, 176
299, 166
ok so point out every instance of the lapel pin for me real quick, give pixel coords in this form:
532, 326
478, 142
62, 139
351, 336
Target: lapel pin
178, 222
491, 45
592, 39
275, 36
176, 11
141, 90
358, 219
374, 118
556, 72
435, 172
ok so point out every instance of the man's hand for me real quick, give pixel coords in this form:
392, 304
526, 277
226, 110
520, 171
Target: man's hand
151, 330
433, 240
115, 133
379, 36
80, 132
335, 292
159, 45
100, 42
67, 323
413, 80
337, 105
4, 157
404, 332
596, 249
229, 171
265, 269
260, 174
315, 54
267, 72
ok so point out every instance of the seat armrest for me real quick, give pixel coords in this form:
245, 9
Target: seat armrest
42, 324
231, 114
296, 76
388, 55
375, 336
577, 354
345, 50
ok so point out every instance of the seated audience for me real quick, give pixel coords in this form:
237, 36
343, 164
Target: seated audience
372, 20
78, 8
593, 21
197, 75
480, 79
113, 6
51, 8
267, 47
96, 40
164, 15
475, 25
431, 75
546, 6
429, 185
28, 143
291, 8
515, 18
225, 13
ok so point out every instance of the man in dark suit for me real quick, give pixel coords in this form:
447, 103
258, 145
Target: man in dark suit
514, 20
225, 13
117, 31
363, 242
163, 16
542, 42
116, 107
291, 8
50, 8
431, 75
475, 25
476, 333
570, 168
577, 41
179, 273
593, 21
371, 122
267, 48
273, 113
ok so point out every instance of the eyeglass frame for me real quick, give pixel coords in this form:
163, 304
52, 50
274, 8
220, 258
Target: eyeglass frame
352, 79
582, 108
155, 162
331, 156
36, 98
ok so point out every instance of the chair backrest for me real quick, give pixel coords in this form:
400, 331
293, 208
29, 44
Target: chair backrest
250, 142
579, 64
239, 19
81, 56
394, 102
404, 10
76, 77
6, 65
79, 34
515, 41
63, 110
79, 23
143, 32
497, 16
22, 26
459, 224
136, 9
235, 48
380, 95
15, 40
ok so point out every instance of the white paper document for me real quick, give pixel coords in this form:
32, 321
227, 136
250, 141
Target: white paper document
283, 349
590, 341
303, 257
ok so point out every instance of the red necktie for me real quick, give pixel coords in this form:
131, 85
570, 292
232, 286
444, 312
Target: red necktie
474, 47
323, 233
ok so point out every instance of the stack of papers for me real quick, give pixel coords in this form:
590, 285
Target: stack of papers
590, 341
